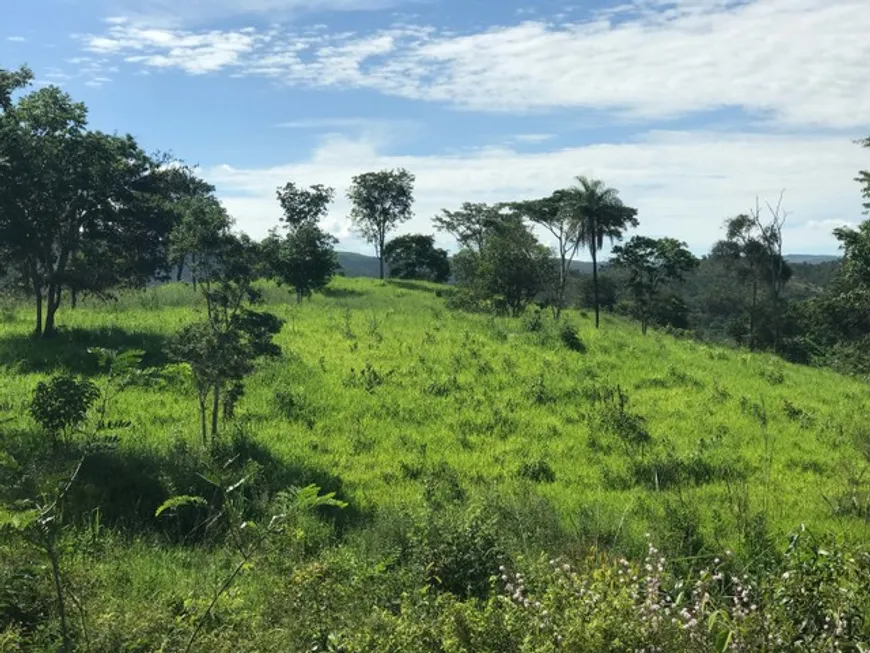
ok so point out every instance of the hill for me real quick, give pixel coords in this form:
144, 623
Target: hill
418, 415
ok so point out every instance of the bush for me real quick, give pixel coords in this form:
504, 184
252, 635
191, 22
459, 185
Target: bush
537, 471
571, 339
62, 404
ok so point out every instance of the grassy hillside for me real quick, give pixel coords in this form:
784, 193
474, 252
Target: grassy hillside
399, 405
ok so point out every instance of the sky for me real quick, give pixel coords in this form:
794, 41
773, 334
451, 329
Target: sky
692, 109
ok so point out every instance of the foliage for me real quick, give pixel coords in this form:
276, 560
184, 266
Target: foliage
62, 404
599, 215
103, 213
381, 201
415, 256
651, 264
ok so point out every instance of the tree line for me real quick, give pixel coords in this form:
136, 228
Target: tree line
86, 212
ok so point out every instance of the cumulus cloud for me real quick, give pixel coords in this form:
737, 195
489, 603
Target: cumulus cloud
796, 62
684, 184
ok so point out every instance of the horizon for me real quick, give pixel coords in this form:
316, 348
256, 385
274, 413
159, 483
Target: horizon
690, 108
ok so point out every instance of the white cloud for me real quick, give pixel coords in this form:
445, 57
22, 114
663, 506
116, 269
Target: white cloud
684, 184
194, 53
533, 138
190, 12
16, 39
796, 62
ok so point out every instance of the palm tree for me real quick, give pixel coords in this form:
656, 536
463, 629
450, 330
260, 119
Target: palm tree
600, 215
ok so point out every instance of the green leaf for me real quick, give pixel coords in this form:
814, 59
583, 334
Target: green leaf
17, 521
177, 502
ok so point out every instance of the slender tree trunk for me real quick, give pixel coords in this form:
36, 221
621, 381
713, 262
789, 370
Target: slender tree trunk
73, 298
381, 263
594, 252
37, 290
202, 419
215, 407
180, 273
752, 311
298, 296
58, 588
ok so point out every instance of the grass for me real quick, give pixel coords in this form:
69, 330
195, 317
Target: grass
379, 379
381, 389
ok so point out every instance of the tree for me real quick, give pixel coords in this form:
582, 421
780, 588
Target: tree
600, 215
79, 209
510, 270
470, 224
863, 178
752, 250
416, 257
553, 214
305, 257
199, 235
651, 264
381, 201
221, 350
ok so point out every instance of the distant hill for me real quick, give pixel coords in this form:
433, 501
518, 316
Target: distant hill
358, 265
811, 258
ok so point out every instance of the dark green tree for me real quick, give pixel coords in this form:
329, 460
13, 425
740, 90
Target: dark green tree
471, 223
554, 214
510, 271
381, 201
752, 250
305, 256
600, 215
863, 178
199, 235
651, 264
415, 257
80, 210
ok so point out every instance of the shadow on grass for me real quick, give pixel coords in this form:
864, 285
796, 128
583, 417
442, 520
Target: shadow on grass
68, 349
122, 488
339, 293
423, 286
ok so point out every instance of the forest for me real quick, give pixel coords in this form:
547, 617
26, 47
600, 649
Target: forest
215, 443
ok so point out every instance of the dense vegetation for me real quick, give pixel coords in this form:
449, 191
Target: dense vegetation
269, 458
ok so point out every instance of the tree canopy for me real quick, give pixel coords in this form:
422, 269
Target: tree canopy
415, 256
381, 201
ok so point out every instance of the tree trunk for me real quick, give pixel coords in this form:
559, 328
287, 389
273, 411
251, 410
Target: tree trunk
215, 407
381, 263
593, 251
180, 273
73, 298
58, 588
298, 296
37, 290
752, 315
51, 309
202, 420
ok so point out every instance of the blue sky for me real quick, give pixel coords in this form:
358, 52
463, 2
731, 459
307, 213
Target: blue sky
691, 108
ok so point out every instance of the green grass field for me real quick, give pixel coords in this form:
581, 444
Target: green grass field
379, 384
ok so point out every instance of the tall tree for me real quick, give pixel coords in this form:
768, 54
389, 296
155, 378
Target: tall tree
305, 257
652, 264
600, 216
381, 201
752, 250
471, 223
199, 235
77, 208
553, 214
415, 257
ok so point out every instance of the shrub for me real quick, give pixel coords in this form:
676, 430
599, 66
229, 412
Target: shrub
537, 471
571, 339
62, 404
